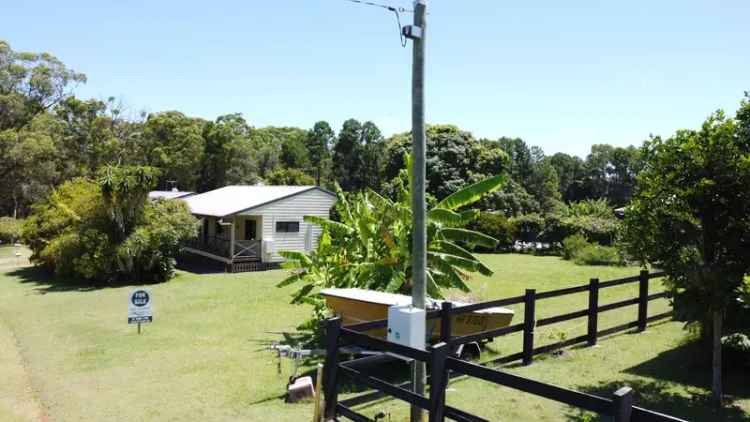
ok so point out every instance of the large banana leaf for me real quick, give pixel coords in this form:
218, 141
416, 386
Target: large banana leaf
471, 193
452, 218
469, 236
333, 226
300, 257
445, 275
454, 249
456, 261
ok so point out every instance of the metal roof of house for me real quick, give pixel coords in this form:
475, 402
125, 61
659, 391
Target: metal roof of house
168, 194
234, 199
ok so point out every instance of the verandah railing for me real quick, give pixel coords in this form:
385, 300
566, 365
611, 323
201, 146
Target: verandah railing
221, 246
440, 358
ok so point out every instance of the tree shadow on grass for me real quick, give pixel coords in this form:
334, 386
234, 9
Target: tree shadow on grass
196, 265
659, 396
393, 371
689, 365
45, 281
656, 389
382, 366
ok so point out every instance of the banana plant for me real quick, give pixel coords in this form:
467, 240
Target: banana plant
370, 247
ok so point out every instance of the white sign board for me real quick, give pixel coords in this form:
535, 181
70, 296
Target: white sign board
139, 306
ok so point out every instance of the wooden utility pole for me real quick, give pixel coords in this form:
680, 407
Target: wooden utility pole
419, 240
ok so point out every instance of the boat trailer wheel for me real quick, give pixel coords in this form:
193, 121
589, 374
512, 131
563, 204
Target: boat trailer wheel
469, 351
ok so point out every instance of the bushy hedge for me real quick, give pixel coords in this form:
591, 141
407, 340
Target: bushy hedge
597, 229
529, 227
579, 250
498, 226
592, 219
10, 229
571, 245
594, 254
107, 230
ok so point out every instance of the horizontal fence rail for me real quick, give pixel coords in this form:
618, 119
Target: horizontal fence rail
530, 322
574, 398
592, 311
445, 365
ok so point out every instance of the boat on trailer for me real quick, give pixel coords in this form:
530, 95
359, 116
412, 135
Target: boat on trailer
359, 305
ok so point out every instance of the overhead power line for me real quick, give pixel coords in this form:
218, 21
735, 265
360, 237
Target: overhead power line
394, 9
384, 6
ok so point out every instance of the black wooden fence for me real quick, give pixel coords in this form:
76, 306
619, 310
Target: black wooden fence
440, 358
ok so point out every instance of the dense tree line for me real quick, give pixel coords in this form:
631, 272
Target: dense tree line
49, 136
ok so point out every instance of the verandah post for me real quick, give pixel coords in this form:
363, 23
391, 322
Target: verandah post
642, 299
529, 321
438, 381
593, 311
330, 369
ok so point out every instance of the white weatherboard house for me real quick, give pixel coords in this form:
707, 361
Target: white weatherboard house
244, 226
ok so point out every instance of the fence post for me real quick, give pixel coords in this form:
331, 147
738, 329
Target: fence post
642, 300
529, 321
593, 310
330, 369
446, 325
438, 381
623, 404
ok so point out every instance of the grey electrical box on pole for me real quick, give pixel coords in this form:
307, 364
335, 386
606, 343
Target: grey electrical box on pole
419, 240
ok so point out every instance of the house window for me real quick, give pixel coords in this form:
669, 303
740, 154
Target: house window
287, 226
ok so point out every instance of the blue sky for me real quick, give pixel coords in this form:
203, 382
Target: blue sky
561, 75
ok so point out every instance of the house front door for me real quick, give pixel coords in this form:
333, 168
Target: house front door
251, 228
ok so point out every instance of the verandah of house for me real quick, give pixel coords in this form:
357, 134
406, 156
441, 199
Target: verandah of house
232, 239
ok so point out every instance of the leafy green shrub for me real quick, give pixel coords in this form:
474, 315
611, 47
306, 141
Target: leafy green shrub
594, 254
107, 230
592, 218
598, 208
599, 230
553, 230
49, 232
10, 229
528, 227
497, 226
572, 245
150, 251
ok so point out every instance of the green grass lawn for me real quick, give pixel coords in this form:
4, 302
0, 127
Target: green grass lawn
69, 354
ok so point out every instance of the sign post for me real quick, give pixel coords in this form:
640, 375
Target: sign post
139, 307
